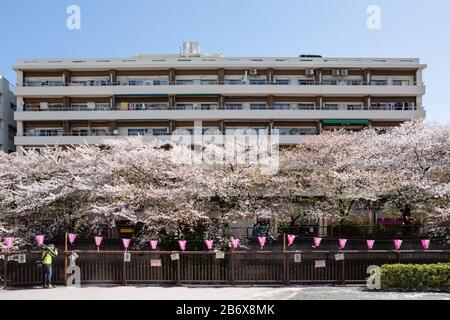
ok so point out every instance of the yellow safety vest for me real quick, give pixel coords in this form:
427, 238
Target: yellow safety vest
47, 256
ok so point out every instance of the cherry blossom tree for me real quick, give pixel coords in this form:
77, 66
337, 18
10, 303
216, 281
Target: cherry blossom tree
175, 191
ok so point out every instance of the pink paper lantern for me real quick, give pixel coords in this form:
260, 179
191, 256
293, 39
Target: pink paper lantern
72, 237
40, 239
425, 244
262, 241
9, 241
182, 244
98, 241
370, 244
209, 244
234, 242
342, 243
126, 243
154, 244
291, 239
316, 242
397, 244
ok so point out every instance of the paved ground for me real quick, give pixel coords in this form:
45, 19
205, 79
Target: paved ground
212, 293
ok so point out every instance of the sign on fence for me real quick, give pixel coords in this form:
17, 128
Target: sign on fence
339, 257
22, 258
156, 263
175, 256
127, 257
220, 255
320, 264
298, 258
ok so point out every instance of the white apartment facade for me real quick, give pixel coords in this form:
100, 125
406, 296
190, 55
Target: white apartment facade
7, 123
77, 101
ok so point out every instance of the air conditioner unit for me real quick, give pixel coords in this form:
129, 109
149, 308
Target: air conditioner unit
91, 105
253, 72
309, 72
336, 72
43, 105
344, 72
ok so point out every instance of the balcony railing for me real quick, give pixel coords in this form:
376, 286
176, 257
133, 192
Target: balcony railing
196, 82
178, 132
294, 107
61, 133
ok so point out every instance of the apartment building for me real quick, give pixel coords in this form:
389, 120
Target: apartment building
74, 101
7, 124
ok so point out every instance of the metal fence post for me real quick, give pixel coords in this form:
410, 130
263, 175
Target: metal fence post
124, 273
179, 271
286, 268
343, 272
5, 270
231, 268
398, 256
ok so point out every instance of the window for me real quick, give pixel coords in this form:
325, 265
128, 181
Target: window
185, 106
306, 82
296, 131
234, 81
159, 107
13, 106
281, 106
258, 106
80, 132
148, 131
46, 132
102, 106
208, 82
183, 131
160, 82
378, 82
306, 106
283, 81
330, 106
99, 132
206, 106
257, 81
43, 83
233, 106
160, 131
185, 82
11, 132
247, 131
329, 82
211, 131
354, 107
79, 107
400, 82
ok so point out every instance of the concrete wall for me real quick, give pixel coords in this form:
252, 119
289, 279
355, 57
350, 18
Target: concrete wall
7, 123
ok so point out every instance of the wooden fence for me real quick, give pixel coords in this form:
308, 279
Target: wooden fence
200, 267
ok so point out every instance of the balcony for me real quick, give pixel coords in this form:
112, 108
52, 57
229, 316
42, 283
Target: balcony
213, 82
44, 137
309, 88
212, 112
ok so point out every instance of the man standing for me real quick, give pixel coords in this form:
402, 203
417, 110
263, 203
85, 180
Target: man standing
47, 259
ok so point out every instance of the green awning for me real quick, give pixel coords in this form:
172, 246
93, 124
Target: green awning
346, 122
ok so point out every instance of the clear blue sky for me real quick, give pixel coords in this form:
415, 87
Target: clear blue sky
120, 28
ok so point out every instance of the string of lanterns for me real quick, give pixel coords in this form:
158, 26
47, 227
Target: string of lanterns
9, 242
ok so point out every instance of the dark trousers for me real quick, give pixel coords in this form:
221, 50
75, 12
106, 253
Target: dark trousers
46, 274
